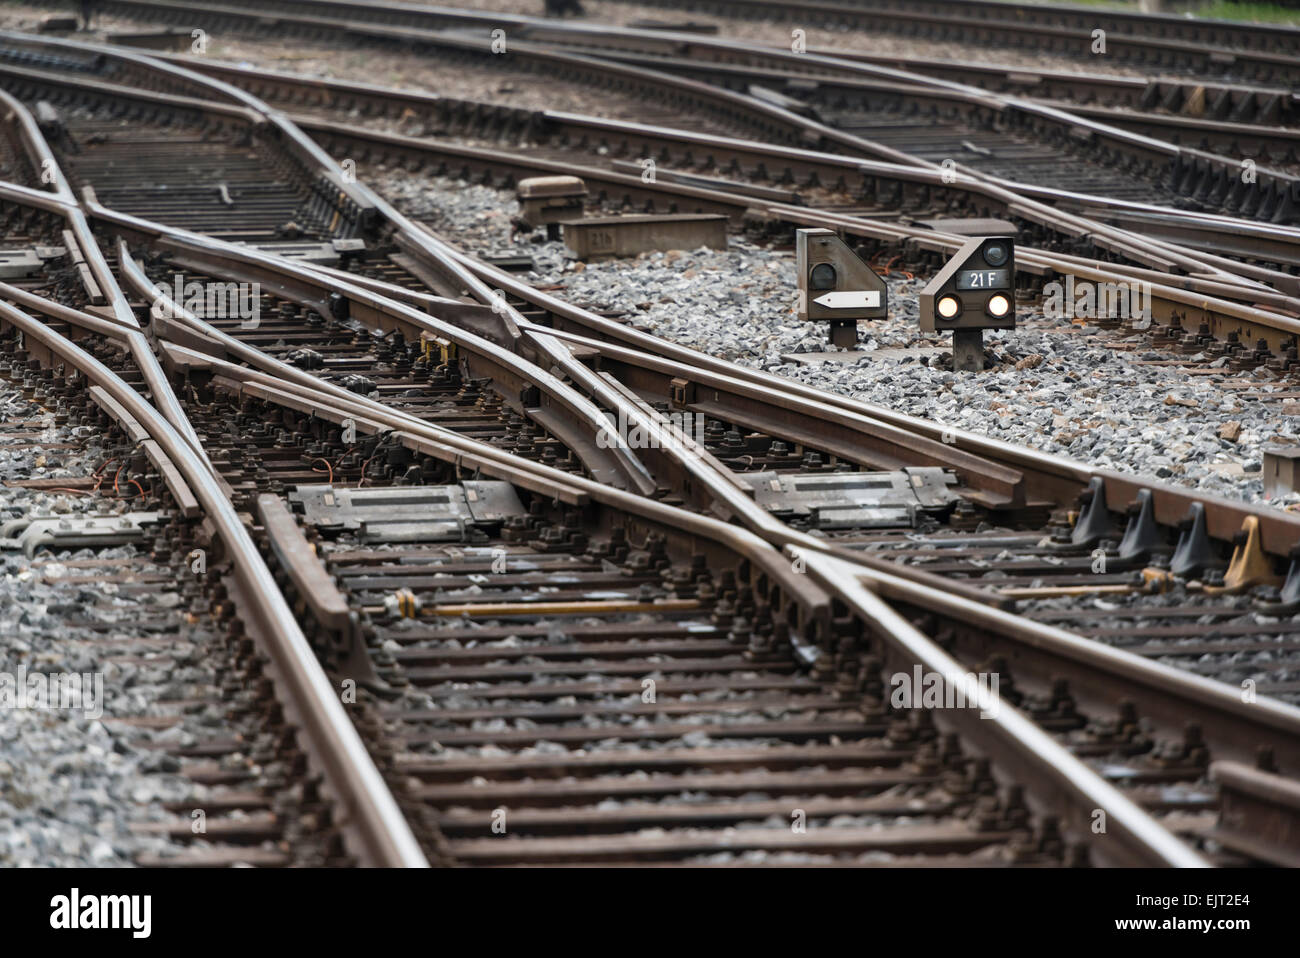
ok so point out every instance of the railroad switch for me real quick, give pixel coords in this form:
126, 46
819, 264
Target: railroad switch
975, 291
836, 285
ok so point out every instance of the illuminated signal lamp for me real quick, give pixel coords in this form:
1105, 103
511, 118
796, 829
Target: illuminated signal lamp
973, 292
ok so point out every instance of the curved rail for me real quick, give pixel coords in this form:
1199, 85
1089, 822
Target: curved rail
369, 817
1236, 726
1059, 783
1017, 198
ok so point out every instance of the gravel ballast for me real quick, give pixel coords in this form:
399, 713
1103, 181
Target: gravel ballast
73, 784
1095, 395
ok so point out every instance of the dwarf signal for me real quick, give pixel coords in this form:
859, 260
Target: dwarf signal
973, 292
836, 286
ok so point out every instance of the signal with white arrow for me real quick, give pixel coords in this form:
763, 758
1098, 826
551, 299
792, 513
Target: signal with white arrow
850, 299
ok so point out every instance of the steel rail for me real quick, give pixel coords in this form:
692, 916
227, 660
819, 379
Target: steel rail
1272, 105
370, 819
78, 228
447, 445
330, 92
726, 494
684, 457
546, 481
620, 465
1159, 253
1248, 35
1017, 197
251, 110
1106, 676
1118, 40
1009, 25
1010, 739
546, 336
1261, 138
1277, 534
439, 258
827, 134
45, 169
604, 36
1058, 783
381, 412
80, 84
1280, 531
1225, 269
1245, 103
1013, 110
107, 328
308, 153
1131, 838
1214, 275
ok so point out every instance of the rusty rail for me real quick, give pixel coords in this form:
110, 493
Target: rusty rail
369, 817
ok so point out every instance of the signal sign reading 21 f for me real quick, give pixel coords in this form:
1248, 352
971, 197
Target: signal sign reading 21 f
984, 279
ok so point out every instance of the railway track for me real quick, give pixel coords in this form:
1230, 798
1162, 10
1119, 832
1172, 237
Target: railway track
1168, 43
906, 190
1205, 124
1162, 106
880, 102
125, 564
683, 154
389, 582
408, 586
555, 639
270, 769
1148, 42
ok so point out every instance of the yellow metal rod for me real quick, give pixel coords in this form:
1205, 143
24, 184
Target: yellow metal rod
561, 608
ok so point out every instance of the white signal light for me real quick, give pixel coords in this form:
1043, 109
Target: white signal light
998, 305
948, 307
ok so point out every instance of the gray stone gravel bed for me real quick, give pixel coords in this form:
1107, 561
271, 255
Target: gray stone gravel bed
1056, 386
486, 81
72, 784
818, 36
